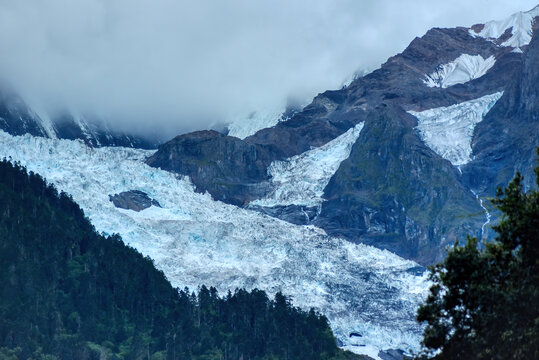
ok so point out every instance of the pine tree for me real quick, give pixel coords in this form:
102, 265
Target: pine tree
484, 303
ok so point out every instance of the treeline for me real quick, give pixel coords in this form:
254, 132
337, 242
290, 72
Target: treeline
68, 292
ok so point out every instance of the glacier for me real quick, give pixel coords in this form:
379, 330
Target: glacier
195, 240
301, 179
459, 71
449, 130
520, 25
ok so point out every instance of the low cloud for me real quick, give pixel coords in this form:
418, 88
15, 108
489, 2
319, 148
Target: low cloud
184, 65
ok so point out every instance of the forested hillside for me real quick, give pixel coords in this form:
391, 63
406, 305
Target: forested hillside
69, 293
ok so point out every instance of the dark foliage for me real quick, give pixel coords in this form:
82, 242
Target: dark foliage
484, 303
69, 293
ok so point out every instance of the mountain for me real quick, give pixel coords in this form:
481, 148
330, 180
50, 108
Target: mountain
17, 117
244, 126
70, 293
196, 240
403, 158
443, 124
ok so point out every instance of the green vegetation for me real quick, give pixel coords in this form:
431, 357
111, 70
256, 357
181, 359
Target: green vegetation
484, 303
69, 293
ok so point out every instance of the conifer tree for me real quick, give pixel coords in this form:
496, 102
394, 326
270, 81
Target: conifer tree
484, 303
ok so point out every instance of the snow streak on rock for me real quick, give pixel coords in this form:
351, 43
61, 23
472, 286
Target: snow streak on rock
43, 119
459, 71
488, 216
196, 240
449, 130
301, 179
519, 25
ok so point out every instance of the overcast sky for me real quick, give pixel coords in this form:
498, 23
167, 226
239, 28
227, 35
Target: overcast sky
186, 64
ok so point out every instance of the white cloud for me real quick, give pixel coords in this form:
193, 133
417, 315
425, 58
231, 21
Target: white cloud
185, 64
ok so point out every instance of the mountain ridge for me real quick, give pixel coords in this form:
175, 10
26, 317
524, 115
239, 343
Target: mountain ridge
400, 83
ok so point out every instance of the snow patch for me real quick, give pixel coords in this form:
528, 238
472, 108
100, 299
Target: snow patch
301, 179
520, 24
245, 126
195, 240
449, 130
459, 71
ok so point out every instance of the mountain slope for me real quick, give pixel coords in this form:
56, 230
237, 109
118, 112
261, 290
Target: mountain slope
393, 187
74, 294
505, 141
18, 117
195, 240
416, 178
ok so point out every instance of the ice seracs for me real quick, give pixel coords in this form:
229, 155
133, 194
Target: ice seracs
301, 179
459, 71
519, 24
449, 130
195, 240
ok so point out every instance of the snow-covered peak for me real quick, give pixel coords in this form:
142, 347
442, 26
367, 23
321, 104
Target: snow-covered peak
459, 71
520, 25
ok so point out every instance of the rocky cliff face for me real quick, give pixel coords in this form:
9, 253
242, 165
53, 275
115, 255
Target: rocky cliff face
406, 186
230, 169
505, 141
394, 192
135, 200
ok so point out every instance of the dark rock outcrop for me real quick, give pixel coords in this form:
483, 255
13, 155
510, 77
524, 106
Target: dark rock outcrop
133, 200
229, 168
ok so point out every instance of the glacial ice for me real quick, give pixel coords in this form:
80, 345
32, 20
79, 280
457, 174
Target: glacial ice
459, 71
301, 179
195, 240
520, 25
449, 130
